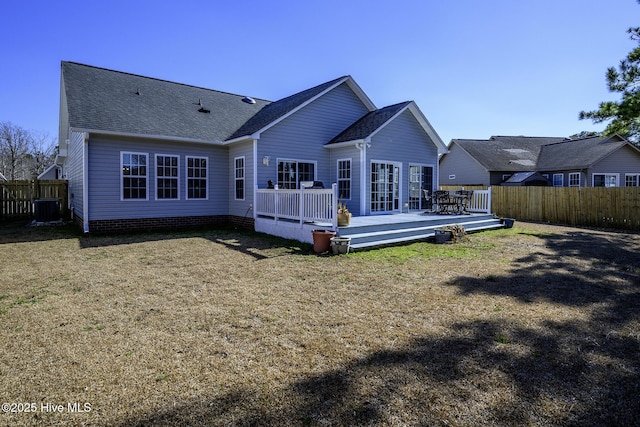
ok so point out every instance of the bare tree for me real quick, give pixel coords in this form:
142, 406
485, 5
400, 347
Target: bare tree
23, 154
42, 152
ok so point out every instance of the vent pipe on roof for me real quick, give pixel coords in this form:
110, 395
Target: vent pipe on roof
138, 91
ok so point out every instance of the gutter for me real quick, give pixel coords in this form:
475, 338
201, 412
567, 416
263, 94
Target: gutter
145, 136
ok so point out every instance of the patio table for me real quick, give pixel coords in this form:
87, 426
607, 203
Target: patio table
451, 202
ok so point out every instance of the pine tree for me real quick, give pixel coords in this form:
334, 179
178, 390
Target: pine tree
624, 114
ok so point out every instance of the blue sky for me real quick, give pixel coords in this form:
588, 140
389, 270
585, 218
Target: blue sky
475, 68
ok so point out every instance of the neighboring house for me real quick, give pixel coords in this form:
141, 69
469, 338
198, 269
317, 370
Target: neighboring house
599, 161
140, 152
52, 172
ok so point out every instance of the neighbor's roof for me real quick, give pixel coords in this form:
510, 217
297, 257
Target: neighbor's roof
578, 153
99, 99
506, 153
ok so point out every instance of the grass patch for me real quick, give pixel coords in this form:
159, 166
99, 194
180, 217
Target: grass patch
224, 327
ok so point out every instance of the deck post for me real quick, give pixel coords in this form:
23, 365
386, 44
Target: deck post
334, 207
301, 205
275, 205
489, 200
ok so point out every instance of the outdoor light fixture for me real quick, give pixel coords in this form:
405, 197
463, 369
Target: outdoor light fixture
265, 160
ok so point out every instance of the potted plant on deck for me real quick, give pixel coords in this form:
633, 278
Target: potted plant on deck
344, 216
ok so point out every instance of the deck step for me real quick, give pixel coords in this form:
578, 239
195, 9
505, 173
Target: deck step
364, 236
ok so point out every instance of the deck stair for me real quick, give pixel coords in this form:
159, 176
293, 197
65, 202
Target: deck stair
372, 231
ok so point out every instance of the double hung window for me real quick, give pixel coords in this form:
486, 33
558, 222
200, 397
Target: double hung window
344, 179
197, 177
574, 179
239, 177
133, 176
632, 180
167, 168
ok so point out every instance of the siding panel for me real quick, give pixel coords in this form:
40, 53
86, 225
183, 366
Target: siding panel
354, 154
405, 141
104, 180
302, 136
622, 161
466, 169
73, 172
241, 207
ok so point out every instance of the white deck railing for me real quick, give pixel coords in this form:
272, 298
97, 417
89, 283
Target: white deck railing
480, 201
303, 205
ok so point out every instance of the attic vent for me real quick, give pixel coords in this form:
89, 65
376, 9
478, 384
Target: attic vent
248, 100
202, 109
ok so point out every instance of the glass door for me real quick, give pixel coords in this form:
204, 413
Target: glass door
420, 178
385, 187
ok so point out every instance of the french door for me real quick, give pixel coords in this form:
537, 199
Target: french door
420, 178
385, 187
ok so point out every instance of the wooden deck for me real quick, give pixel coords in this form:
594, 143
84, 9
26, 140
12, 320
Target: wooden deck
380, 230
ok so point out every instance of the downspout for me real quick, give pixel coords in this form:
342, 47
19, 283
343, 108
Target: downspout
85, 181
255, 178
362, 147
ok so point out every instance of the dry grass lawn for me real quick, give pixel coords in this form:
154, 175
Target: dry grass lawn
536, 325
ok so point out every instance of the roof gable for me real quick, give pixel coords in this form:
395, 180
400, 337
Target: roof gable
369, 124
99, 99
578, 153
373, 122
279, 110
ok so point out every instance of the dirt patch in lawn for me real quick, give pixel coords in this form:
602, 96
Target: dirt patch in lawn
535, 325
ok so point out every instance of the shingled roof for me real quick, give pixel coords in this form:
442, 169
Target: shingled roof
578, 153
99, 99
278, 109
506, 153
369, 123
525, 153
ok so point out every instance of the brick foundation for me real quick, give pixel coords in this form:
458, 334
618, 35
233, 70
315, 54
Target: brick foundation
114, 226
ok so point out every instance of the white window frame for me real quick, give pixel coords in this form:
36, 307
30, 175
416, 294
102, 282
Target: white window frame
606, 174
187, 178
637, 179
238, 179
340, 178
573, 175
177, 177
145, 176
553, 180
297, 162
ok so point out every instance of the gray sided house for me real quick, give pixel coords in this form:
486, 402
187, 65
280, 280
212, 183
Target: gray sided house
144, 153
597, 161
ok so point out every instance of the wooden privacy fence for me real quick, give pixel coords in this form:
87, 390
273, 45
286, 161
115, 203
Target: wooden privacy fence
613, 207
17, 197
